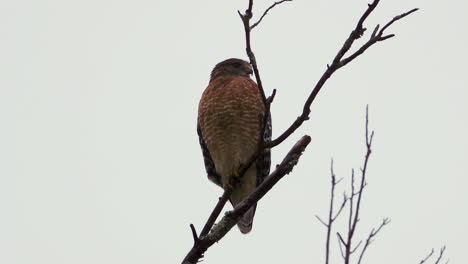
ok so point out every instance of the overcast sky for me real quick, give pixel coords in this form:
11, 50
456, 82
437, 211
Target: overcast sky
99, 156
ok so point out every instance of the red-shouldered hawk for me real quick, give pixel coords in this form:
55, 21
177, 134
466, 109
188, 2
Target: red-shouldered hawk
230, 120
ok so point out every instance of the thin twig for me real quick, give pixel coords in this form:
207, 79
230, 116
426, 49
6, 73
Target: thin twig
194, 234
356, 247
355, 205
246, 17
321, 221
342, 206
427, 257
439, 258
372, 234
331, 218
337, 63
441, 254
266, 12
340, 242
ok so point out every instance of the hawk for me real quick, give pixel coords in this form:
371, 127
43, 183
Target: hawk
230, 120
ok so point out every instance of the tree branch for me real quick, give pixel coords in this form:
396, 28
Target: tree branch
427, 257
331, 218
246, 17
337, 63
231, 218
354, 217
441, 254
266, 12
439, 258
216, 211
372, 234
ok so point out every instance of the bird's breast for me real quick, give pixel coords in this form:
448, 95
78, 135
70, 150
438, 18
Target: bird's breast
230, 115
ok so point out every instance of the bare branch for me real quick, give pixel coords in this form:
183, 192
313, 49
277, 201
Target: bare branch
372, 234
341, 239
356, 247
266, 12
376, 37
343, 204
397, 18
216, 211
439, 258
331, 218
340, 243
441, 254
321, 221
248, 48
339, 62
355, 201
427, 257
231, 218
194, 234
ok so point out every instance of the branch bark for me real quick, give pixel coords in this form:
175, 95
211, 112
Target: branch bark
231, 218
339, 62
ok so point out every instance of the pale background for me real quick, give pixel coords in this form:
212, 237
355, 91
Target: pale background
99, 157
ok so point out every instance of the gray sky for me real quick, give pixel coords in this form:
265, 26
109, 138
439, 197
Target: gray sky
99, 157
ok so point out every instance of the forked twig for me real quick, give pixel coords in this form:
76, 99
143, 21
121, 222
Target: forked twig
266, 12
339, 62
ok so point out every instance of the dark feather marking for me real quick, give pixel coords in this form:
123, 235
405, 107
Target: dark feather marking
264, 161
209, 164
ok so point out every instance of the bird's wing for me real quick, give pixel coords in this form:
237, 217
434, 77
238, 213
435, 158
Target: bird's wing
264, 161
209, 164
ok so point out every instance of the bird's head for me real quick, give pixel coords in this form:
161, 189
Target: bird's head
231, 67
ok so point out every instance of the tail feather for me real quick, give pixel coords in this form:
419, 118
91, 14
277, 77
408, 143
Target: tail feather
246, 187
246, 222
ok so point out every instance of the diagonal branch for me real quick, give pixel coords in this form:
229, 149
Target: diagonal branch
216, 211
372, 234
427, 257
441, 254
231, 218
266, 12
439, 258
337, 63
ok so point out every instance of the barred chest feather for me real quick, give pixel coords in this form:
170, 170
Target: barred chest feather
230, 118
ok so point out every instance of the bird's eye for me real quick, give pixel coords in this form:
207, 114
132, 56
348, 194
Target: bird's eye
237, 65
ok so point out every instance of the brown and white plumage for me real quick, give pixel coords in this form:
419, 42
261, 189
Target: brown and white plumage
230, 118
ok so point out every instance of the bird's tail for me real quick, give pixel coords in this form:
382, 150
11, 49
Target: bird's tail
246, 187
246, 222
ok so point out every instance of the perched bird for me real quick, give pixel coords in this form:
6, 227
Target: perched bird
230, 120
